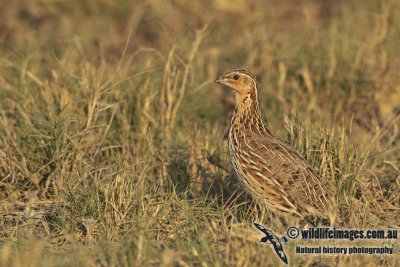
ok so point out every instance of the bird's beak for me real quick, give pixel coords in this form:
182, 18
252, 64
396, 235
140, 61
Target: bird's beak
220, 79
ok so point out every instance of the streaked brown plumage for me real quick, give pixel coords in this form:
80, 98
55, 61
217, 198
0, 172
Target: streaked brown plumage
270, 170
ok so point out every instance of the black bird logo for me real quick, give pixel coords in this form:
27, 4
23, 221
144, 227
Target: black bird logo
274, 240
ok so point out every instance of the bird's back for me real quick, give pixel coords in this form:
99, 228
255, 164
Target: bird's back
274, 172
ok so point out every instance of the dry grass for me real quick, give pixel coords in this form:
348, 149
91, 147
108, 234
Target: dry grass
112, 147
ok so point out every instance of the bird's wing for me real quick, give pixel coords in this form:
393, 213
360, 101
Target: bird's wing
286, 176
279, 250
264, 230
282, 255
260, 227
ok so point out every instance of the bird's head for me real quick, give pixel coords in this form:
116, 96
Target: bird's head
242, 82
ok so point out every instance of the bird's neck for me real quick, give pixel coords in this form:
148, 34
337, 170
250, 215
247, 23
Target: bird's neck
247, 114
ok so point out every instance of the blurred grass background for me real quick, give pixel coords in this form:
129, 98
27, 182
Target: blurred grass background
112, 149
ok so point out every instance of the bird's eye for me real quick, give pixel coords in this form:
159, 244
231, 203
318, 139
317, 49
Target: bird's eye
236, 77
